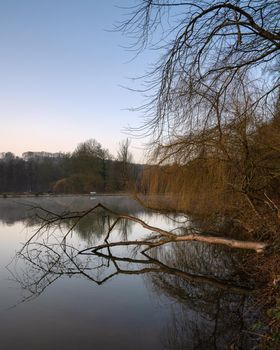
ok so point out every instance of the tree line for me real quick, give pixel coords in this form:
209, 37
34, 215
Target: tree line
90, 168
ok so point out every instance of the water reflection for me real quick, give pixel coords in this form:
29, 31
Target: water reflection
14, 210
210, 295
213, 312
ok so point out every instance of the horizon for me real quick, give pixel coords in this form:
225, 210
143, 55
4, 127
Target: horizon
21, 155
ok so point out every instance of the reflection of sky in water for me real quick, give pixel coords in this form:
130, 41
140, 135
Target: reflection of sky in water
154, 310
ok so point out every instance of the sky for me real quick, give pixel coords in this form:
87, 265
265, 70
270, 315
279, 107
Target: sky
62, 69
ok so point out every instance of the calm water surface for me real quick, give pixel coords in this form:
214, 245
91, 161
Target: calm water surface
190, 296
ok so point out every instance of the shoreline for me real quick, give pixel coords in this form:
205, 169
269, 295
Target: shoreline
36, 195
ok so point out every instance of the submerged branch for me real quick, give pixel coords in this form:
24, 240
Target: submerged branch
50, 257
158, 235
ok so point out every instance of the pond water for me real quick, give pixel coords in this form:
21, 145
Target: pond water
182, 296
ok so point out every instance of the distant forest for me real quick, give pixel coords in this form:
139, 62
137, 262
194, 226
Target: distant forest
90, 168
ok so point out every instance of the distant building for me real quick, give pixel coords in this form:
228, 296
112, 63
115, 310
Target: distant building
41, 155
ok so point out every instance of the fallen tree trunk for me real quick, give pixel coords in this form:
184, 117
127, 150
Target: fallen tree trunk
159, 236
233, 243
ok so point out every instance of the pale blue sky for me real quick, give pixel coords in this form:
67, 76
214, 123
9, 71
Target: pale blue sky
61, 73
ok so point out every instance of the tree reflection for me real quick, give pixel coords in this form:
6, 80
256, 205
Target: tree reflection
14, 210
205, 315
212, 294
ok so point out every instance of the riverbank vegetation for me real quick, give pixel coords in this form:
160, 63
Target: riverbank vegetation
213, 119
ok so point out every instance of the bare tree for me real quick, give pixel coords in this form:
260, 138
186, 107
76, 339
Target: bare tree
215, 86
207, 47
125, 158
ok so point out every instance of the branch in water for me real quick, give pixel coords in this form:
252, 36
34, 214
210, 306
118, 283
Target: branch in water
162, 237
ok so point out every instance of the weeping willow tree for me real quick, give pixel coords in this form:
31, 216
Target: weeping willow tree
213, 90
234, 171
